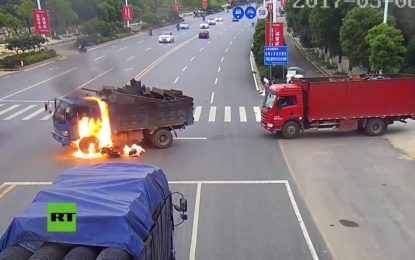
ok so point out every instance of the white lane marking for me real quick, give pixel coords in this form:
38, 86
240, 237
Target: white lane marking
251, 59
5, 77
228, 114
46, 117
121, 49
230, 43
227, 49
99, 58
196, 182
39, 83
37, 112
201, 49
5, 191
192, 254
4, 111
208, 42
196, 115
221, 60
149, 48
132, 57
62, 58
38, 66
257, 113
23, 101
296, 209
175, 81
212, 97
192, 58
212, 114
139, 42
19, 112
89, 81
190, 138
215, 37
103, 45
242, 114
216, 80
219, 69
185, 67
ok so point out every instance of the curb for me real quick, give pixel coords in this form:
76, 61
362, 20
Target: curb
301, 49
255, 73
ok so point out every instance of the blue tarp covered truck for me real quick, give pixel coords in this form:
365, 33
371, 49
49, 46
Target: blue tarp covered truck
123, 211
136, 113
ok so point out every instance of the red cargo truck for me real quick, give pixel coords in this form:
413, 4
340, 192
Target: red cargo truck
367, 103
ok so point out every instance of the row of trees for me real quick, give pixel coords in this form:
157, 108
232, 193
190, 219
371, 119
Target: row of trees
100, 16
358, 33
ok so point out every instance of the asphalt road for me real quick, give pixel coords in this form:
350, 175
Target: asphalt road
251, 196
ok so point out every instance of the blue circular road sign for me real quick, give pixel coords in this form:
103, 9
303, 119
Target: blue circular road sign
238, 12
250, 12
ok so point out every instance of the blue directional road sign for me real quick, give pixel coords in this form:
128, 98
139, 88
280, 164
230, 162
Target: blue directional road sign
274, 55
238, 12
250, 12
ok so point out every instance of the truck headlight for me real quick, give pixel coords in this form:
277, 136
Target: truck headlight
269, 125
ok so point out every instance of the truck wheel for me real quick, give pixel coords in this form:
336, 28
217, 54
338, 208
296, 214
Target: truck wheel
375, 127
162, 138
86, 142
110, 253
82, 253
290, 130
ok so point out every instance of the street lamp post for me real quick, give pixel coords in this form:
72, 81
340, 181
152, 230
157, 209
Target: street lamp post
385, 12
128, 21
38, 5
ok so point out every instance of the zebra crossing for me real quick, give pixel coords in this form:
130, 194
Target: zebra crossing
211, 114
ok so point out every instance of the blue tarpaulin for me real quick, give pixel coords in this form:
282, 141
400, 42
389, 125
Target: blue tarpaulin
115, 206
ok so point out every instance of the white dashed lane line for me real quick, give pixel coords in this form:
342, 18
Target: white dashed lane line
212, 97
218, 69
99, 58
192, 58
184, 68
221, 60
132, 57
175, 81
201, 49
216, 81
149, 48
226, 50
123, 48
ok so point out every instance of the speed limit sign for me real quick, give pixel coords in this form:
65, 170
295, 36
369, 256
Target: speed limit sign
262, 12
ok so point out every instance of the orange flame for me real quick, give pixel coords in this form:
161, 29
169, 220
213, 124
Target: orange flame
101, 130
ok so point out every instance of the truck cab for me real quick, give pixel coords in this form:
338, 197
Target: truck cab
282, 103
66, 116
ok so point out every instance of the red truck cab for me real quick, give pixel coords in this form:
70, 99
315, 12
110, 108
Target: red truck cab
369, 103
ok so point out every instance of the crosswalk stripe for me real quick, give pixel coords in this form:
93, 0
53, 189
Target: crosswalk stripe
46, 117
197, 113
242, 114
227, 114
19, 112
4, 111
257, 112
212, 114
37, 112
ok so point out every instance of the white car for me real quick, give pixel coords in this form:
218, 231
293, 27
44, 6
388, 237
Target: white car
166, 37
219, 19
212, 21
204, 26
184, 26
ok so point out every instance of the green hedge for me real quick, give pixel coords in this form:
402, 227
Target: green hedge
13, 61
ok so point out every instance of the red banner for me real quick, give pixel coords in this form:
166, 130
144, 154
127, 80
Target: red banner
41, 21
277, 34
127, 13
204, 4
176, 7
267, 34
269, 7
282, 3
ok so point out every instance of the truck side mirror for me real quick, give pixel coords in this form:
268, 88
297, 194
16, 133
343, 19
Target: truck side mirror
46, 107
183, 205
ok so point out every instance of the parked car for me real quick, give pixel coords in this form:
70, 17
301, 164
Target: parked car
204, 26
166, 37
219, 19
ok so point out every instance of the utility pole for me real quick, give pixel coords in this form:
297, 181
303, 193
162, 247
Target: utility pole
38, 5
385, 12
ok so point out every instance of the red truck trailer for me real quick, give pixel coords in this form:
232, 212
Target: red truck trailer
367, 103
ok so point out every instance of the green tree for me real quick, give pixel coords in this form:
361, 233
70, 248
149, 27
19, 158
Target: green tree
410, 53
404, 20
356, 25
386, 48
24, 11
62, 15
11, 23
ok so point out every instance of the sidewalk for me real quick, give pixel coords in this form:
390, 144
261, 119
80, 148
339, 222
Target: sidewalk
402, 137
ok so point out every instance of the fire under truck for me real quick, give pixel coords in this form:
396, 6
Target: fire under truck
135, 113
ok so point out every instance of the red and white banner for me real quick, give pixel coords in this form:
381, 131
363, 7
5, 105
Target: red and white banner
176, 7
204, 4
41, 21
127, 14
269, 7
277, 34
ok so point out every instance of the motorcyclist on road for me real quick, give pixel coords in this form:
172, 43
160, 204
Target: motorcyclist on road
178, 27
150, 32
